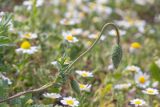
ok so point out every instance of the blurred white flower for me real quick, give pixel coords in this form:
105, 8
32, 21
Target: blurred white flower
155, 84
100, 9
151, 91
144, 2
95, 36
6, 79
142, 79
54, 63
2, 13
122, 86
52, 95
76, 31
69, 21
138, 102
27, 48
28, 35
84, 73
110, 67
29, 3
69, 37
128, 22
85, 87
70, 101
113, 32
133, 68
39, 3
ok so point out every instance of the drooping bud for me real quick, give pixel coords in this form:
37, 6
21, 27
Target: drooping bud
74, 85
116, 55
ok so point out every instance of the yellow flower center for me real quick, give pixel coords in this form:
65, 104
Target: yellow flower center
136, 45
70, 102
84, 74
69, 37
130, 20
81, 86
150, 91
138, 102
25, 45
27, 35
142, 79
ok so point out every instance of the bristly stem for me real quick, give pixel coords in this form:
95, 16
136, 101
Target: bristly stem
69, 67
95, 42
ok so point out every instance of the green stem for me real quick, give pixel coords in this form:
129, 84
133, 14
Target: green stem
69, 67
95, 42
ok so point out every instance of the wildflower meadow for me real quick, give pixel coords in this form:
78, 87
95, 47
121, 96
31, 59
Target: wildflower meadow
79, 53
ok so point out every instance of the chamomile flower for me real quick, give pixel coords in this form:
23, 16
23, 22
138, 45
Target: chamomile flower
142, 79
29, 35
29, 3
113, 32
135, 46
69, 37
84, 73
138, 102
69, 101
77, 31
69, 22
151, 91
122, 86
95, 36
27, 48
85, 87
133, 68
52, 95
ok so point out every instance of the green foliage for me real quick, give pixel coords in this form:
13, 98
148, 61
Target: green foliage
155, 71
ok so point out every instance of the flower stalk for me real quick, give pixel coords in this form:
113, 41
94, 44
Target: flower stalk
70, 65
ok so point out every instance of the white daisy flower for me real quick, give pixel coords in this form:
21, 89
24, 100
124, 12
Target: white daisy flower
39, 3
54, 63
29, 35
138, 102
158, 63
6, 79
69, 37
27, 48
122, 86
95, 36
113, 32
29, 3
134, 47
155, 84
70, 101
84, 87
129, 22
72, 21
77, 31
52, 95
151, 91
142, 79
84, 73
133, 68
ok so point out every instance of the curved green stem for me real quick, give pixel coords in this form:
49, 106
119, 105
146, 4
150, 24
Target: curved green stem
95, 42
69, 67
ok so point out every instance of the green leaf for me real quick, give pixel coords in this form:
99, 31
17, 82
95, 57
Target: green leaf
155, 71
